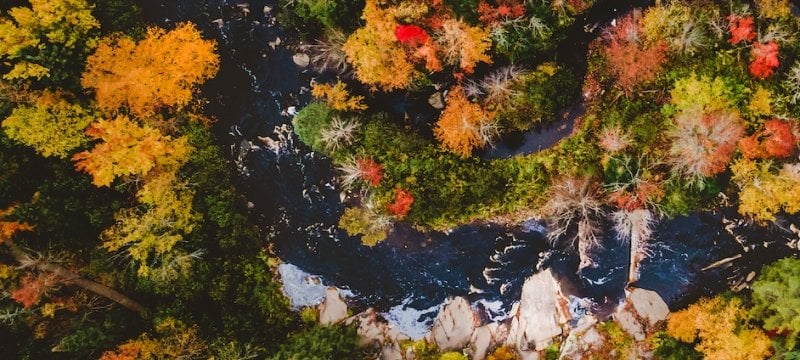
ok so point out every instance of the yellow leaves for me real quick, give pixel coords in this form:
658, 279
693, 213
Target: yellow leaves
337, 97
52, 126
760, 103
175, 340
62, 22
464, 45
128, 149
701, 94
151, 233
375, 53
774, 9
762, 192
160, 71
463, 125
719, 326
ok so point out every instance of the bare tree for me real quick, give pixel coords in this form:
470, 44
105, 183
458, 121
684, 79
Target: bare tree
575, 210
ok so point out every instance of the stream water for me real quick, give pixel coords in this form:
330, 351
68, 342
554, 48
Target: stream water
409, 275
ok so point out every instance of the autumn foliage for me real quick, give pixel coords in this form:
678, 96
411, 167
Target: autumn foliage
631, 62
32, 288
459, 127
704, 143
765, 59
160, 71
127, 149
491, 14
741, 29
775, 141
402, 203
370, 171
411, 34
718, 328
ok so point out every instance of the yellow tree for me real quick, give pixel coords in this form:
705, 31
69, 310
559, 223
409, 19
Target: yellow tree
27, 32
377, 57
51, 125
337, 97
720, 327
161, 71
128, 149
464, 45
764, 193
463, 125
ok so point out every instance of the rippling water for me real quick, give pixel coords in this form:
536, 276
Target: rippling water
408, 276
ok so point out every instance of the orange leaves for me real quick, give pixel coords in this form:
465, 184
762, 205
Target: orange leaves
505, 10
337, 97
463, 125
128, 149
375, 53
162, 70
765, 59
631, 62
402, 203
9, 228
31, 288
775, 141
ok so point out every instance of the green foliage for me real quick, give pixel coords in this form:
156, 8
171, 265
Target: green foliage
360, 221
529, 37
330, 13
120, 16
666, 347
621, 342
452, 355
543, 94
776, 298
321, 343
309, 123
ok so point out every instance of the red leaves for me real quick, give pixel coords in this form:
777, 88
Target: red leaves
775, 141
31, 289
741, 29
765, 59
411, 35
370, 171
632, 63
402, 203
491, 15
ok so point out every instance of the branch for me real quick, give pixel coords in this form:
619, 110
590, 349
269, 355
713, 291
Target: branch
70, 277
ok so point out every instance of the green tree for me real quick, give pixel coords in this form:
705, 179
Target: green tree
321, 343
776, 298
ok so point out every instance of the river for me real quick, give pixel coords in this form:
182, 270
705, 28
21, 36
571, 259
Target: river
408, 276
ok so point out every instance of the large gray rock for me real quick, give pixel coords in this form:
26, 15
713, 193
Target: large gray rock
640, 312
376, 334
583, 340
540, 315
333, 309
485, 338
454, 326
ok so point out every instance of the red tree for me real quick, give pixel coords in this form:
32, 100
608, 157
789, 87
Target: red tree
631, 62
741, 29
505, 9
31, 288
402, 203
411, 35
775, 141
765, 59
370, 171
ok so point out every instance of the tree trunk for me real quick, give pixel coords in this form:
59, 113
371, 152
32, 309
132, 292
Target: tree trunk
75, 279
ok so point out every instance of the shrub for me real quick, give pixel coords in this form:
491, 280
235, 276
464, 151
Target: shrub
310, 122
321, 343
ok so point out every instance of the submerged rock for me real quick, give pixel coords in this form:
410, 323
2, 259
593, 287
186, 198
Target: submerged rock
541, 314
454, 325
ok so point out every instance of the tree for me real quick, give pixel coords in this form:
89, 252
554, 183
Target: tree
776, 298
741, 29
632, 63
574, 208
38, 41
160, 71
51, 125
322, 343
464, 45
128, 149
403, 200
775, 141
704, 94
763, 192
337, 97
174, 340
376, 55
703, 144
719, 328
765, 59
463, 125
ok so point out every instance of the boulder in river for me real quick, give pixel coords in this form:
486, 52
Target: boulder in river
375, 333
333, 309
541, 314
485, 338
640, 312
454, 326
